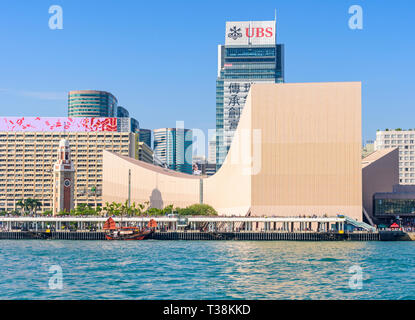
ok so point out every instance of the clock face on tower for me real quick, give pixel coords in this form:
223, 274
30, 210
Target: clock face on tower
67, 183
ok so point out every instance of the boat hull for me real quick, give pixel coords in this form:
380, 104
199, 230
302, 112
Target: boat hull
134, 236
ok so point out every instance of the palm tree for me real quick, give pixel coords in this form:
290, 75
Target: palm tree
34, 205
20, 204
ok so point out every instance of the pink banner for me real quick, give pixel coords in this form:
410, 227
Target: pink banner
52, 124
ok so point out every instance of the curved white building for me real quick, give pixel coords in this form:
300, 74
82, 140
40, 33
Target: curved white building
296, 151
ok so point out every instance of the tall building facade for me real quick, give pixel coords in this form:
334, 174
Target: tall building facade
173, 147
145, 136
122, 112
125, 122
212, 151
91, 103
250, 55
128, 125
405, 141
28, 154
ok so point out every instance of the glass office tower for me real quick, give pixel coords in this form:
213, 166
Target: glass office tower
250, 55
91, 103
145, 136
173, 146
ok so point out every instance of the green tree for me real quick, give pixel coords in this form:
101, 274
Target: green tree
21, 204
33, 205
168, 209
200, 210
48, 213
154, 212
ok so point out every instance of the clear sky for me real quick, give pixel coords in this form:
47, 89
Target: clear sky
159, 58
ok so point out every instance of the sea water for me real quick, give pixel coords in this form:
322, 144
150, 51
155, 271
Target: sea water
151, 269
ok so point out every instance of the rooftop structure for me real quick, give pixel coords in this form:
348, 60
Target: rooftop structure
91, 103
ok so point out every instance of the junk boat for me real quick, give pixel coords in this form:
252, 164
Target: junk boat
112, 232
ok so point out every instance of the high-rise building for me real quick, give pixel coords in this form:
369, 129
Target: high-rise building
91, 103
173, 146
212, 151
145, 136
405, 141
122, 112
250, 55
128, 125
28, 154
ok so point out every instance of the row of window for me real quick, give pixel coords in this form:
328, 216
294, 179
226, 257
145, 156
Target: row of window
387, 136
250, 52
398, 141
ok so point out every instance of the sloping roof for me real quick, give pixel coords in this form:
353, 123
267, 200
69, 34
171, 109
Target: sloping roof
374, 156
155, 168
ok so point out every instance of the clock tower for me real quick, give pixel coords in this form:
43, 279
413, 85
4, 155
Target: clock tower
63, 180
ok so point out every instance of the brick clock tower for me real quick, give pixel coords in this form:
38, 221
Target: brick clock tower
63, 180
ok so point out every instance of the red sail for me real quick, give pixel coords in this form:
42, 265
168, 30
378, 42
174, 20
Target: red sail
152, 223
110, 224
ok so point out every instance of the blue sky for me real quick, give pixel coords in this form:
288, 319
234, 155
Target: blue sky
159, 58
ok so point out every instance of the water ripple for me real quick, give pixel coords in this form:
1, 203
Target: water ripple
206, 270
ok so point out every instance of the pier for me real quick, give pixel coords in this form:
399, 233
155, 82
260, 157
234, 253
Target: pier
212, 236
339, 228
200, 223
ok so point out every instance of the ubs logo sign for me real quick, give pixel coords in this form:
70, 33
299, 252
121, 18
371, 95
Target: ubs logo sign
236, 33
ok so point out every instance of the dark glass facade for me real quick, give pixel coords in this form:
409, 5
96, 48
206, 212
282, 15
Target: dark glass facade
173, 146
240, 66
91, 103
145, 136
394, 207
122, 112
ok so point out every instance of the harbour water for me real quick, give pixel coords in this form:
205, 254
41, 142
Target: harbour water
154, 269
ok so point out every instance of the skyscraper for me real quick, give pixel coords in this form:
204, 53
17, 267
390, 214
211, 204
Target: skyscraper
173, 146
145, 136
250, 55
122, 112
91, 103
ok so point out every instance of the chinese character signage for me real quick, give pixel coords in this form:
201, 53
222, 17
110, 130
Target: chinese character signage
250, 32
234, 98
52, 124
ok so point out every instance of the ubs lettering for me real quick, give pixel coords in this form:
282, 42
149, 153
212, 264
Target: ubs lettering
259, 32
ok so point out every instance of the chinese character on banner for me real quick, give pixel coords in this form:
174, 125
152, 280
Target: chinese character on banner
233, 113
234, 87
233, 124
247, 86
233, 100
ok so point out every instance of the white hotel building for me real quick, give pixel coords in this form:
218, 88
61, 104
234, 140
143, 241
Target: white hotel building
405, 141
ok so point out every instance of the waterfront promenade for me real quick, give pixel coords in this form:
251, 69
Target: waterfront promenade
201, 223
200, 228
